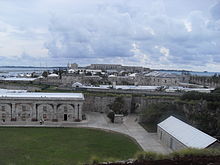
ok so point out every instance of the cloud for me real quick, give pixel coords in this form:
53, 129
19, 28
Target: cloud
174, 34
215, 11
111, 32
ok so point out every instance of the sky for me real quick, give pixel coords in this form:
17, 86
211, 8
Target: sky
168, 34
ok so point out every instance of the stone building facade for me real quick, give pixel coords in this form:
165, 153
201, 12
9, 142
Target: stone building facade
33, 107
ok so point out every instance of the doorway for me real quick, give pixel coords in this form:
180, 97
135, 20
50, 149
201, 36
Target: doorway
65, 117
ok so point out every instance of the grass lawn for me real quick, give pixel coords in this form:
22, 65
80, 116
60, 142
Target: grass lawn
61, 146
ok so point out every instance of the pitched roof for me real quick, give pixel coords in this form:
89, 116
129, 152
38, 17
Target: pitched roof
186, 134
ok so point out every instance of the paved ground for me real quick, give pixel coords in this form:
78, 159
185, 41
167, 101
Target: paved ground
148, 141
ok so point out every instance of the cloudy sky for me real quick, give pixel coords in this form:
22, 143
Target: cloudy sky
170, 34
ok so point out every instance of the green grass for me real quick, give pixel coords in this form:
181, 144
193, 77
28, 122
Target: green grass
61, 146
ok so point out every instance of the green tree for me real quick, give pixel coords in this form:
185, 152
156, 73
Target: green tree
117, 106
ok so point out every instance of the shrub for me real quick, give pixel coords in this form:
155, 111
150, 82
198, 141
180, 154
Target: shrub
195, 152
94, 160
182, 153
150, 156
111, 116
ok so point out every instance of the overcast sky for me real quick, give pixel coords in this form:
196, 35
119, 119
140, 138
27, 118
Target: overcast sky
169, 34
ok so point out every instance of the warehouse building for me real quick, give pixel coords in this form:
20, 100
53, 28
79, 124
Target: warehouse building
178, 135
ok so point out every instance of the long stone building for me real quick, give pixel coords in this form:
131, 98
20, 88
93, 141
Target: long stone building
34, 107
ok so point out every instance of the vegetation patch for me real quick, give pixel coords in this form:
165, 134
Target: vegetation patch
61, 146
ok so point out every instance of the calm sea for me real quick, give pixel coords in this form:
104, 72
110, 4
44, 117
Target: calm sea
193, 73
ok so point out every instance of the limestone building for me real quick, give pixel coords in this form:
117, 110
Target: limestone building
34, 107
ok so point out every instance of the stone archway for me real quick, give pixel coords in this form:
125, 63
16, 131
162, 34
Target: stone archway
24, 112
66, 112
5, 112
45, 112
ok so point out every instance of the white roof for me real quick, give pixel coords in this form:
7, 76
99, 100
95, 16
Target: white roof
186, 134
53, 75
132, 75
43, 95
112, 75
19, 79
160, 74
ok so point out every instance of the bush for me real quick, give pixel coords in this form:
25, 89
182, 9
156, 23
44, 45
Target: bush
195, 152
111, 116
150, 156
94, 160
182, 153
201, 96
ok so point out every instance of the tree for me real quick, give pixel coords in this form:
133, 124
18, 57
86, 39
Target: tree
45, 73
117, 106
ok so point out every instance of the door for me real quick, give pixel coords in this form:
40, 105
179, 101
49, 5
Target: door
65, 117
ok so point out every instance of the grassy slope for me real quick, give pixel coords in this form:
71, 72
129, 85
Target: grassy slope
57, 146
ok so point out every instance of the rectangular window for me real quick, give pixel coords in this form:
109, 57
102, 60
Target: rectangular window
171, 143
3, 108
3, 116
65, 108
24, 108
44, 108
23, 116
44, 116
161, 135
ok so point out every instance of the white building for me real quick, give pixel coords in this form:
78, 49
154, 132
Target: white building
178, 135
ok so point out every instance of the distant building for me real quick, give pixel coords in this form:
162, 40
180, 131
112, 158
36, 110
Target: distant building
158, 79
118, 67
105, 66
178, 135
73, 66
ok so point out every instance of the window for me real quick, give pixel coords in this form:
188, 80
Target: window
24, 108
45, 108
171, 143
3, 116
158, 80
3, 108
165, 81
161, 135
23, 116
44, 116
65, 108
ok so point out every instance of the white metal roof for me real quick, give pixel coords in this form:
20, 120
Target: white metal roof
160, 74
53, 75
19, 79
186, 134
43, 95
